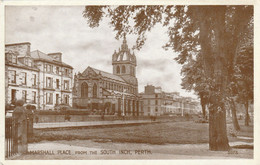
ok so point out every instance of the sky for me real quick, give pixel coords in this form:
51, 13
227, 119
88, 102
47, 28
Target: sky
63, 29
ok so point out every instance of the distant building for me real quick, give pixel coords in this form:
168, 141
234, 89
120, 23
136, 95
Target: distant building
114, 93
39, 79
157, 102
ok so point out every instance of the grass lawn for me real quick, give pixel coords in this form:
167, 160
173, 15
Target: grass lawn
157, 133
187, 132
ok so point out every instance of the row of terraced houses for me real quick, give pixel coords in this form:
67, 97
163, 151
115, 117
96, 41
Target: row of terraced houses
44, 80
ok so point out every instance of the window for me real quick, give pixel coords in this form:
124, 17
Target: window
58, 70
66, 84
26, 61
49, 98
117, 69
66, 99
24, 78
33, 97
14, 59
123, 69
30, 63
149, 109
66, 72
48, 82
57, 99
34, 79
24, 96
48, 68
8, 58
94, 90
13, 96
12, 76
84, 90
58, 83
156, 102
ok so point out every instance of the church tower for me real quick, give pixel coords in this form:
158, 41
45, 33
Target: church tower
124, 64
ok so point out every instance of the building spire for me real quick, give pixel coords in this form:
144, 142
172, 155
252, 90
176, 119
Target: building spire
124, 46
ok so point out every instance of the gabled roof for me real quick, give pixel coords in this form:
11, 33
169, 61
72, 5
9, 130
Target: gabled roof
107, 75
38, 55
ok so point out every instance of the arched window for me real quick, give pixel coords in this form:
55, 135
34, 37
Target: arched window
123, 69
117, 69
95, 90
84, 90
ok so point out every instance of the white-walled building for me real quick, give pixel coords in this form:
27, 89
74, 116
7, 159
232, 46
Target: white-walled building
157, 102
39, 79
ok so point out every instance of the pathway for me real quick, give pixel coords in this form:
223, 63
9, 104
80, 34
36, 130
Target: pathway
89, 124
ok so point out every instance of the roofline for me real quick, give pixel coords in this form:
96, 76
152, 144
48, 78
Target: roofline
21, 43
53, 62
54, 53
23, 67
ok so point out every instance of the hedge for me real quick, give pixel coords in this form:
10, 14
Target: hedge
64, 112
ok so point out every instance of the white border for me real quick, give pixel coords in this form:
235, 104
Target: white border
140, 2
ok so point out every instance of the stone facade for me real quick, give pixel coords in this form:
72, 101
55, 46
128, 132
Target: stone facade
156, 102
114, 94
39, 79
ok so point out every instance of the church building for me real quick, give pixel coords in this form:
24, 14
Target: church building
113, 93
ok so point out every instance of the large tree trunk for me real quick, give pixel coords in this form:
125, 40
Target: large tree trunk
234, 115
247, 118
214, 69
218, 140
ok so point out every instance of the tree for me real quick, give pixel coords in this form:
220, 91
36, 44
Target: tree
244, 75
194, 79
194, 32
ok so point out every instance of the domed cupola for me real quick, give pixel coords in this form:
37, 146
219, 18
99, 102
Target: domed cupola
124, 62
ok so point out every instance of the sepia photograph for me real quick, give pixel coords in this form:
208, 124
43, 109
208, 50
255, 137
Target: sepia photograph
129, 82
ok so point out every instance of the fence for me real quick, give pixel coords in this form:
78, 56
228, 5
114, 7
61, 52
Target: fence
11, 137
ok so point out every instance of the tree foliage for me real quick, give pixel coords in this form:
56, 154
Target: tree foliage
207, 40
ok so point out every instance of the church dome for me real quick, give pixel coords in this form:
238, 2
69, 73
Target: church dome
124, 54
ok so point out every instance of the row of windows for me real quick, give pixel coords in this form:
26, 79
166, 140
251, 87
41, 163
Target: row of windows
49, 83
24, 96
58, 70
23, 78
151, 102
49, 80
149, 109
49, 98
123, 70
11, 58
116, 87
84, 90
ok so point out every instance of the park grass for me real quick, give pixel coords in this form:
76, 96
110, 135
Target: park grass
185, 132
157, 133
